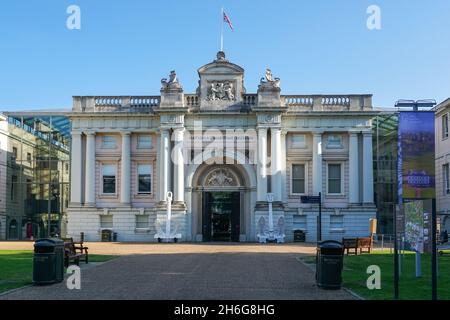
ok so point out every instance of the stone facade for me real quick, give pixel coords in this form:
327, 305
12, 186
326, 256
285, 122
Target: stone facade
221, 140
442, 143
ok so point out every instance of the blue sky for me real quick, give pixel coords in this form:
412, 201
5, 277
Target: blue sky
126, 47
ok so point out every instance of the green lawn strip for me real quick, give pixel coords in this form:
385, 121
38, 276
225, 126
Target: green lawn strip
410, 288
16, 267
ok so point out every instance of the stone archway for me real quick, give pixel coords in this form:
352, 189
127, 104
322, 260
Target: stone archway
229, 178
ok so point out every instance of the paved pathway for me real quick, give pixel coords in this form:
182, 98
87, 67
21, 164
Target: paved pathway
119, 248
194, 272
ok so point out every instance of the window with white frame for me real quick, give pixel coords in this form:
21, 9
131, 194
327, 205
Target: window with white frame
445, 126
144, 141
334, 141
299, 222
106, 222
446, 177
336, 222
298, 179
298, 141
109, 142
142, 222
144, 178
109, 173
334, 178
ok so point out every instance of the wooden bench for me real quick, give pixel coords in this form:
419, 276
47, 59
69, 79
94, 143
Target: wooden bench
350, 244
364, 245
75, 251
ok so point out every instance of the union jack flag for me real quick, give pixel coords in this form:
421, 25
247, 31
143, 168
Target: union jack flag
227, 20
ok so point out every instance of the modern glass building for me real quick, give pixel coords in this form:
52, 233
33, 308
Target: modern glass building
34, 174
385, 140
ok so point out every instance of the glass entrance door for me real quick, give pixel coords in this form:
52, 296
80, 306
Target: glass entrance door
221, 216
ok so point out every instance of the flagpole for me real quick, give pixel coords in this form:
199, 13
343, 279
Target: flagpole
221, 33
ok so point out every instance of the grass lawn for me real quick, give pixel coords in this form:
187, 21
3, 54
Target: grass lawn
16, 268
410, 288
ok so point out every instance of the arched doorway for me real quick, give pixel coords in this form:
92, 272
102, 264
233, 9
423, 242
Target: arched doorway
221, 200
221, 204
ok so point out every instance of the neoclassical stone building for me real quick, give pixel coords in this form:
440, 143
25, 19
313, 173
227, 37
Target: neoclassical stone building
221, 151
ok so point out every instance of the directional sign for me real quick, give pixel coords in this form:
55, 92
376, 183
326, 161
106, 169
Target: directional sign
310, 199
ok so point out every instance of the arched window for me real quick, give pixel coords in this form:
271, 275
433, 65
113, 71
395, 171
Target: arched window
13, 229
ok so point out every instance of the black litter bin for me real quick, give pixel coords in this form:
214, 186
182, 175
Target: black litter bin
48, 261
106, 235
329, 264
299, 236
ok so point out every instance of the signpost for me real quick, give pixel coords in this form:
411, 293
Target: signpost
316, 200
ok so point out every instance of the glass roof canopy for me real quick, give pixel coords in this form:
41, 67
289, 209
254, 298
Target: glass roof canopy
56, 120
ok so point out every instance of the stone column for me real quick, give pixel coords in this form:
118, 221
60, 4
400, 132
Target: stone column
165, 160
262, 165
367, 168
353, 164
76, 169
317, 163
125, 181
178, 165
276, 163
90, 170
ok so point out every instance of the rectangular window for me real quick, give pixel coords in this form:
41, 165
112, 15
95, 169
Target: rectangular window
106, 222
445, 126
298, 141
142, 222
334, 141
144, 142
13, 187
336, 222
334, 179
28, 157
14, 152
144, 178
109, 142
29, 189
299, 223
109, 178
298, 179
446, 177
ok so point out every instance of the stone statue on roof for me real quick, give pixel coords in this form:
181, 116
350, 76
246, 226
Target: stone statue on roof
269, 80
172, 83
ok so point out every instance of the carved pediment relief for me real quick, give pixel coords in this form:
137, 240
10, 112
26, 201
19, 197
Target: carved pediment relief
221, 178
221, 90
221, 84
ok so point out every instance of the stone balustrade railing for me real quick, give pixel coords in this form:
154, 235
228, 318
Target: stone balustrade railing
293, 102
192, 100
115, 103
328, 102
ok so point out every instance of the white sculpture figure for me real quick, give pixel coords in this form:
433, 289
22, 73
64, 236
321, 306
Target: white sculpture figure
170, 232
269, 234
270, 80
229, 91
172, 83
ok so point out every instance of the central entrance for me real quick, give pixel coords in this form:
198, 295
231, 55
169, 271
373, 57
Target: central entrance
221, 216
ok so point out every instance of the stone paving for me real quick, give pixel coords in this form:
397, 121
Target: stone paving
190, 271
